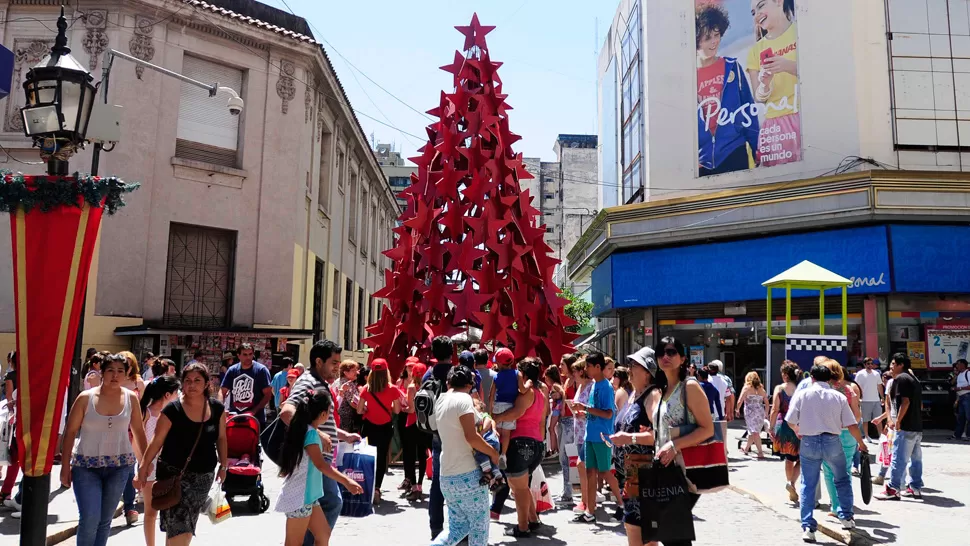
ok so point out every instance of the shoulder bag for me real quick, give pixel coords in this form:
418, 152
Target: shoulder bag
706, 462
168, 492
633, 462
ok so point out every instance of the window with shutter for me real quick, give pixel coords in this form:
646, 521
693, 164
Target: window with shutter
206, 130
364, 226
326, 168
352, 199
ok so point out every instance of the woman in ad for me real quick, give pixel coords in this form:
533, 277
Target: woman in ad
727, 120
772, 66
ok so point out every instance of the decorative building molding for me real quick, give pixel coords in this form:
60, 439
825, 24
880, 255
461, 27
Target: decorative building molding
284, 86
95, 40
142, 45
207, 26
308, 98
26, 53
320, 120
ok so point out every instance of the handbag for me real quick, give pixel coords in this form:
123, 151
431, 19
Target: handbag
272, 440
633, 462
706, 462
168, 492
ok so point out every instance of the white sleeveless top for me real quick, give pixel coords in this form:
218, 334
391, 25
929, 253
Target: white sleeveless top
103, 440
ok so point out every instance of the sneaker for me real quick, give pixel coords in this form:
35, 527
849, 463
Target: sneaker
502, 462
600, 498
878, 480
131, 517
585, 517
888, 494
579, 508
914, 493
16, 515
848, 524
792, 494
808, 536
11, 503
515, 532
564, 500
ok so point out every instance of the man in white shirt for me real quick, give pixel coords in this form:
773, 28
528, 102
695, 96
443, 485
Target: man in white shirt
719, 380
818, 414
869, 380
961, 384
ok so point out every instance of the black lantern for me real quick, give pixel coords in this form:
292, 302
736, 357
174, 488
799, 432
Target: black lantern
60, 94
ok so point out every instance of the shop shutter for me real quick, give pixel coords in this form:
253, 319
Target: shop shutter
206, 130
804, 308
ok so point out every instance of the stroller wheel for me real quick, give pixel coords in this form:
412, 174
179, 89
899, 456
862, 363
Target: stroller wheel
263, 503
254, 504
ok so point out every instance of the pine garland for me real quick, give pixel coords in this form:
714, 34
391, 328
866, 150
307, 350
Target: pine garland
49, 192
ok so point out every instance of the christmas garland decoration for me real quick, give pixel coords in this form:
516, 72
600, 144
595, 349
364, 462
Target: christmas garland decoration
19, 191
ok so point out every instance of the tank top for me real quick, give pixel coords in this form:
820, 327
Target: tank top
103, 440
568, 395
530, 424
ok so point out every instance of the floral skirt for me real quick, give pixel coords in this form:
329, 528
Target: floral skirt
182, 517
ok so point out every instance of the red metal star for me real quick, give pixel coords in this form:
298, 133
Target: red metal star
474, 33
464, 255
423, 219
494, 326
467, 302
455, 67
447, 183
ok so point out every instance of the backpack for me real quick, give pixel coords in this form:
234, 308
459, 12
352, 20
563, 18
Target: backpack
424, 401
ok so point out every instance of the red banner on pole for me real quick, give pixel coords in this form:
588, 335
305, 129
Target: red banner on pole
52, 253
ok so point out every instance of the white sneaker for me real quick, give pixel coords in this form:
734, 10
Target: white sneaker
808, 536
15, 515
848, 524
600, 498
11, 503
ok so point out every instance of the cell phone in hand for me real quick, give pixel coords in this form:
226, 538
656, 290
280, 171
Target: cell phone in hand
766, 54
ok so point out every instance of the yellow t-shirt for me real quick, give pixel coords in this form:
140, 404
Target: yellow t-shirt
781, 101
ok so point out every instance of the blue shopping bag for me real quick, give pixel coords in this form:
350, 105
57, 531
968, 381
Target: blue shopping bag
360, 464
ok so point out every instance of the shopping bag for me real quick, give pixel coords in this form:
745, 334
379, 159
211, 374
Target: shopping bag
886, 448
666, 504
6, 435
342, 448
218, 505
540, 491
360, 465
429, 468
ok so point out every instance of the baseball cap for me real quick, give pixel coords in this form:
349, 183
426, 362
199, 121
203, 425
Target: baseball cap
467, 358
227, 356
645, 358
378, 365
293, 373
504, 356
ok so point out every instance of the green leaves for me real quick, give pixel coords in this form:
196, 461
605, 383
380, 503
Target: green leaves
18, 191
577, 309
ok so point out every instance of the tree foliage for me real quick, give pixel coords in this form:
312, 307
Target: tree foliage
577, 309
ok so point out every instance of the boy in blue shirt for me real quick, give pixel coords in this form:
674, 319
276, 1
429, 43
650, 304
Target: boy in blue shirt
599, 410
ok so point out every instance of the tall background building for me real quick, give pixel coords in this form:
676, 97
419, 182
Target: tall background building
397, 172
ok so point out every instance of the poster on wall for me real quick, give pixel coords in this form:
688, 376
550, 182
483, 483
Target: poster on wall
916, 351
697, 356
946, 344
748, 113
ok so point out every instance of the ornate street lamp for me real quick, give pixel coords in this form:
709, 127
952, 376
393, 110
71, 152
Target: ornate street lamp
60, 94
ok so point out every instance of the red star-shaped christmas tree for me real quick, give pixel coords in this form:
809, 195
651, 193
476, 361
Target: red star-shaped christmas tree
469, 250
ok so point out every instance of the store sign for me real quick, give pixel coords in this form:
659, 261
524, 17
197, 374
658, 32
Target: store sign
916, 351
859, 282
946, 344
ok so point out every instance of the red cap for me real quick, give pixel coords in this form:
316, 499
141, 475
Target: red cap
378, 365
412, 360
504, 356
293, 373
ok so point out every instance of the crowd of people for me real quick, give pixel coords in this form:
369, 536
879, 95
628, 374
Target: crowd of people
483, 422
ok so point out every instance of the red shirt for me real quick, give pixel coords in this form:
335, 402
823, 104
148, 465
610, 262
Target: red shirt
710, 83
568, 395
374, 412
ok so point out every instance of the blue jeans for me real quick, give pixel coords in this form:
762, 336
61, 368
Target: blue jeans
331, 502
815, 450
97, 491
129, 494
467, 510
907, 448
436, 501
566, 437
963, 416
482, 459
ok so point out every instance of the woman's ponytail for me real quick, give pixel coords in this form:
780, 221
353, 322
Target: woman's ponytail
156, 389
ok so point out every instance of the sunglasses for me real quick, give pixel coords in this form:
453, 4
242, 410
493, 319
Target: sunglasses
671, 352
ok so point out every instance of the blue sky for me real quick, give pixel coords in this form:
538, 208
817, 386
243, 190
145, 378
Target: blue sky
549, 50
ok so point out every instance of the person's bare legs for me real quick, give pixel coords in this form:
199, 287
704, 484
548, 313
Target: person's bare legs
523, 500
319, 527
614, 486
592, 480
296, 530
633, 536
151, 515
583, 493
180, 540
757, 443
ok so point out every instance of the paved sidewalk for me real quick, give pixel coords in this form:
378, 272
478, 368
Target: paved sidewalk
941, 517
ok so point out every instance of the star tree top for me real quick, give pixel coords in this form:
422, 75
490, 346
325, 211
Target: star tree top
470, 249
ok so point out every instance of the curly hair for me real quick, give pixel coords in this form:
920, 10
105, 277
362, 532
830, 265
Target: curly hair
707, 19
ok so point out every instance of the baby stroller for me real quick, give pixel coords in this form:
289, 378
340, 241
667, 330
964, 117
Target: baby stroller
243, 476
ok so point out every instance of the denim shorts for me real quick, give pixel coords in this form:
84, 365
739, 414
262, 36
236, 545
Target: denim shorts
301, 513
524, 456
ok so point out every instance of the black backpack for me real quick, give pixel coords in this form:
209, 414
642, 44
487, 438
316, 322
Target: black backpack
424, 401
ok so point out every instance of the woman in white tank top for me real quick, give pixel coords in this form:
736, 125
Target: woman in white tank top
103, 456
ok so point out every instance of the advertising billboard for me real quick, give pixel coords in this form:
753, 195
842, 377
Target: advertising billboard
747, 85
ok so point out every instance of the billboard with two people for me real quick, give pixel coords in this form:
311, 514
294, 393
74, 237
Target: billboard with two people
747, 85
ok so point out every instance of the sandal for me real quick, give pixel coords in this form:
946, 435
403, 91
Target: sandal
517, 533
405, 485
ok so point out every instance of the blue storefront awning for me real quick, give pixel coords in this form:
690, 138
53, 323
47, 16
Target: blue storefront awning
734, 270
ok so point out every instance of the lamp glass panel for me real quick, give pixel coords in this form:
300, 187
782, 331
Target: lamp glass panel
41, 120
70, 103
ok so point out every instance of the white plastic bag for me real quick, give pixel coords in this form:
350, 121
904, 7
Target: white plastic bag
218, 505
6, 434
540, 491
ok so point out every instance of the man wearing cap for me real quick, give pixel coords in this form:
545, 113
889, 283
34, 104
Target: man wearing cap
280, 379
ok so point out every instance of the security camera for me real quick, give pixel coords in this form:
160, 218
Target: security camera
235, 105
